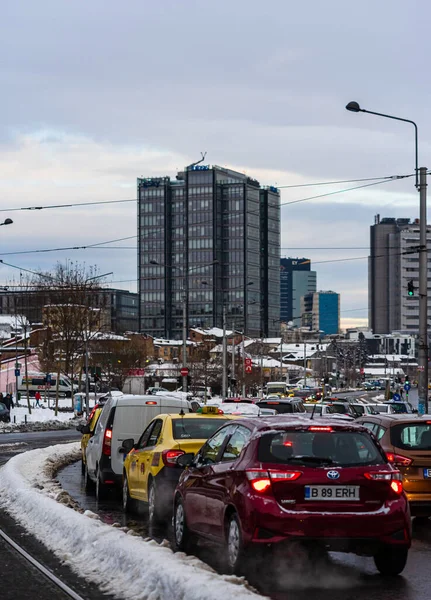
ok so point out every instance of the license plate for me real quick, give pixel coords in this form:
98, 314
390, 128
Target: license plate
427, 473
332, 492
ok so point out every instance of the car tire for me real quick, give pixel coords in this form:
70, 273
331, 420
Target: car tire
101, 488
234, 544
129, 504
182, 536
391, 561
156, 508
88, 482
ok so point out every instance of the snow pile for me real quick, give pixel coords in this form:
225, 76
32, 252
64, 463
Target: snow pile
123, 564
39, 415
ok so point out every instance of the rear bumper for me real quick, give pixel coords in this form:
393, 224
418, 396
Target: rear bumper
362, 533
420, 504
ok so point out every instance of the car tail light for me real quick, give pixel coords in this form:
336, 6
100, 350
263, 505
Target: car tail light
285, 475
380, 475
259, 480
319, 428
151, 402
397, 459
170, 457
107, 439
397, 486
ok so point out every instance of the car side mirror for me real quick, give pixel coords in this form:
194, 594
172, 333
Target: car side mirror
185, 460
127, 445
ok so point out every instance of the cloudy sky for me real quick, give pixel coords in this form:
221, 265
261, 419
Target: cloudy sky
97, 93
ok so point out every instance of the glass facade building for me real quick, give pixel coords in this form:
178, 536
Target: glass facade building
321, 311
210, 238
296, 280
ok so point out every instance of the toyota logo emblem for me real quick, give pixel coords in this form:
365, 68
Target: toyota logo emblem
333, 474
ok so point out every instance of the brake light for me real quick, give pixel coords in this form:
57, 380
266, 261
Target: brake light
273, 402
319, 428
107, 439
151, 402
259, 480
288, 444
397, 459
220, 411
397, 486
169, 457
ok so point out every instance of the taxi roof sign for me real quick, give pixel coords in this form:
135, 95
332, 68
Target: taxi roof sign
209, 410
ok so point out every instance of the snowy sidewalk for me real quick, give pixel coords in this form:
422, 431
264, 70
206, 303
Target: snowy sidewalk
118, 561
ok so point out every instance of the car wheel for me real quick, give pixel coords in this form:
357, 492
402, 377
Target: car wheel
155, 509
88, 483
101, 488
234, 544
129, 505
391, 561
182, 538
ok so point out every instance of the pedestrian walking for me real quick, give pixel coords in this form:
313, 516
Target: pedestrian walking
37, 397
8, 402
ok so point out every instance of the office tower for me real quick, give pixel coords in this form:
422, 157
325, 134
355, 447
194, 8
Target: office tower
321, 312
393, 263
208, 242
296, 280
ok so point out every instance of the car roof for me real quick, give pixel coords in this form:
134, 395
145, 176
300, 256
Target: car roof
281, 422
280, 400
166, 416
393, 419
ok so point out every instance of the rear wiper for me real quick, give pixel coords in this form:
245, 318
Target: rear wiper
314, 459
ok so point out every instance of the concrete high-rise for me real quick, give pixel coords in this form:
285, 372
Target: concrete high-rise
393, 263
296, 280
208, 239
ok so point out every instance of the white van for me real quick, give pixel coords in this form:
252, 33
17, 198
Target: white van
37, 383
122, 417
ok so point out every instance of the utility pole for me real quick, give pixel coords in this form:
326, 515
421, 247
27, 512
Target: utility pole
87, 381
243, 366
224, 352
305, 363
233, 358
423, 295
185, 337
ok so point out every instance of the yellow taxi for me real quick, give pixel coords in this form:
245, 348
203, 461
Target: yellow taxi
87, 431
150, 472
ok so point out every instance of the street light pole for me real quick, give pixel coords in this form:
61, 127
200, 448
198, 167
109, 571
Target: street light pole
421, 185
423, 295
224, 374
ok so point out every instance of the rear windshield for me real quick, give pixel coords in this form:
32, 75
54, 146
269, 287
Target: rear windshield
338, 409
195, 429
308, 448
412, 436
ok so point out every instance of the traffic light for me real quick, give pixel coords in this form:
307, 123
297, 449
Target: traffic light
410, 288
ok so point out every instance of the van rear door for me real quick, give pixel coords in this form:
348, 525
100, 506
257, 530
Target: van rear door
130, 422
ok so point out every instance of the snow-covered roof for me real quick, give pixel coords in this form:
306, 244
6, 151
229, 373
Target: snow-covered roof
376, 371
162, 342
101, 335
214, 331
391, 357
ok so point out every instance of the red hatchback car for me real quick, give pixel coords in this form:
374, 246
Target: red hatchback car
263, 482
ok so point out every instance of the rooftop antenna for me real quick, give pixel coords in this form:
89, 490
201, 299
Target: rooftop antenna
203, 154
